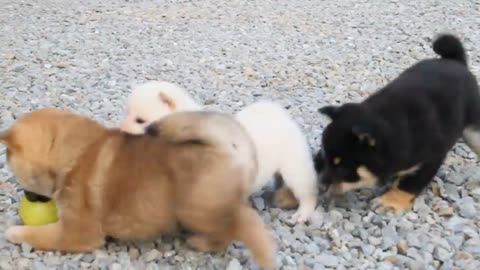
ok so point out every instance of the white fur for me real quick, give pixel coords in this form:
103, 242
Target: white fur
281, 145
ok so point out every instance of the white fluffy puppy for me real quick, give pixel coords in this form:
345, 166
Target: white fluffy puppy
282, 148
281, 145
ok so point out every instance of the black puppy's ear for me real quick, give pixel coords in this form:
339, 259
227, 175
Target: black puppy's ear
331, 111
364, 135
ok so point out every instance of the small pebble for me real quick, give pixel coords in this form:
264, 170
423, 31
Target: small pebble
328, 260
259, 203
234, 264
402, 247
152, 255
467, 210
26, 248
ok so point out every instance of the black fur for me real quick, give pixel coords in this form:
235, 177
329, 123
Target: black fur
319, 161
152, 130
413, 120
34, 197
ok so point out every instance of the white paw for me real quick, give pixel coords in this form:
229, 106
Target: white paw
14, 234
305, 210
301, 217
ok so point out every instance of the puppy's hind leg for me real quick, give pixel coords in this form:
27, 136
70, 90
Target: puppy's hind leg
204, 243
300, 177
400, 197
244, 224
471, 132
249, 228
471, 135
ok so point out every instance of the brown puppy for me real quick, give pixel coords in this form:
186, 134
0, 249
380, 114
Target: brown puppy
191, 170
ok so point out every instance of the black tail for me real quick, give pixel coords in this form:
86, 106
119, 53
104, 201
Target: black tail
450, 47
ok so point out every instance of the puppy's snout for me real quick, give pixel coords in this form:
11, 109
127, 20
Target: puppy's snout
335, 189
331, 194
326, 178
128, 127
152, 130
34, 197
124, 126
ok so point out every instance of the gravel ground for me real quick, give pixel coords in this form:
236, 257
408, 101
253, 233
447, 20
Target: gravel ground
85, 55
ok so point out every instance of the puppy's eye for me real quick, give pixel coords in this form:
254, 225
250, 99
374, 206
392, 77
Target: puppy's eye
139, 121
337, 160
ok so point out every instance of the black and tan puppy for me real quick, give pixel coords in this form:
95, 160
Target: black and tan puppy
401, 134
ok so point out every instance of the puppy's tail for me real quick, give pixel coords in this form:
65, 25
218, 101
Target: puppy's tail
204, 128
450, 47
250, 229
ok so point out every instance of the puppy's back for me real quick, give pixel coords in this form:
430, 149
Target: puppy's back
186, 166
218, 148
214, 129
446, 82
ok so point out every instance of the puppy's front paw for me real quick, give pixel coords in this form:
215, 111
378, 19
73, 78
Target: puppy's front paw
300, 218
305, 210
15, 234
394, 201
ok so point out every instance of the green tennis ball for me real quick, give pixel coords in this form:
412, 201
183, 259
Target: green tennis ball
37, 213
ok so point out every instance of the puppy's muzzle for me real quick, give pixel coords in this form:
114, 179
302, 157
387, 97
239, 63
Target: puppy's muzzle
34, 197
331, 195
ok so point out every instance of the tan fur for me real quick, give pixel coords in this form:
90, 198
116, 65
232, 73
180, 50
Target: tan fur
408, 171
194, 174
367, 180
3, 136
394, 200
284, 198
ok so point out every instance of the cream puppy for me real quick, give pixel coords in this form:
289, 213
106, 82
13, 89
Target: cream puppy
153, 100
281, 145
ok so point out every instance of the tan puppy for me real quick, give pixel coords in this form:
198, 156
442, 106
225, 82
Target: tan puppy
191, 170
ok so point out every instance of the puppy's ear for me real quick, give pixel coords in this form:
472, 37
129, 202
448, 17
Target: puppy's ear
168, 100
364, 136
330, 111
4, 135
